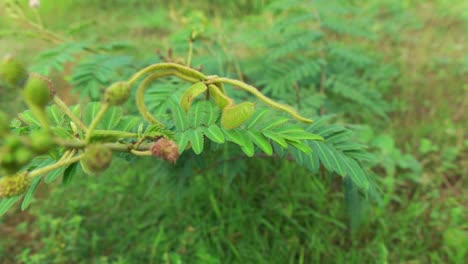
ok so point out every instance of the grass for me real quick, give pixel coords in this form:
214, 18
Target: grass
288, 216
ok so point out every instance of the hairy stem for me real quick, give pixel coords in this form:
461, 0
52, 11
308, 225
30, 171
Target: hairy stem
96, 120
186, 71
61, 104
54, 166
261, 97
140, 94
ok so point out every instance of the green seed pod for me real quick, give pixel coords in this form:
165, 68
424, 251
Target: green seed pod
38, 91
190, 94
236, 115
41, 142
97, 158
4, 124
13, 72
220, 99
12, 142
117, 94
14, 185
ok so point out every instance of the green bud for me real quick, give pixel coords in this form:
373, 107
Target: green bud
97, 158
14, 185
12, 71
117, 94
41, 142
37, 91
22, 156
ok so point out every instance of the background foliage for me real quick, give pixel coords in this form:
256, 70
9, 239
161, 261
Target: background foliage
391, 73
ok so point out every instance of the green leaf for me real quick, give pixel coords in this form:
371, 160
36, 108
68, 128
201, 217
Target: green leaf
55, 115
300, 146
261, 141
69, 173
191, 93
182, 140
111, 118
196, 138
29, 118
5, 204
29, 194
203, 113
240, 138
275, 123
53, 175
214, 133
256, 118
179, 117
276, 137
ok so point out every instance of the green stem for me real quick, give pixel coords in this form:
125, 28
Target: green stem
61, 104
190, 52
120, 147
39, 113
261, 97
96, 120
184, 70
54, 166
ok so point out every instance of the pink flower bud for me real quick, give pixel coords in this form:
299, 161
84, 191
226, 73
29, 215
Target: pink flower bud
166, 149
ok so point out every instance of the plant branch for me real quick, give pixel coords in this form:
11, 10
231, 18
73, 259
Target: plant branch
61, 104
96, 120
54, 166
261, 97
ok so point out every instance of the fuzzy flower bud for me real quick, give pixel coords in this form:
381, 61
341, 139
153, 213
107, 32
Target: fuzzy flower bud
97, 158
166, 149
117, 93
12, 71
38, 90
14, 185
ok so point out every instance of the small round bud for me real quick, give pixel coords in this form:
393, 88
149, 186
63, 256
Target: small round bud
117, 93
22, 156
38, 90
166, 149
14, 185
41, 142
13, 72
4, 124
97, 158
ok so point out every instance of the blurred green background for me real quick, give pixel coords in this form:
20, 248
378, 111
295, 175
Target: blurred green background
402, 67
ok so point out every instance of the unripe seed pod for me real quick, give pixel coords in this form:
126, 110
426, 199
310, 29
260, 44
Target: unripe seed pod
97, 158
4, 123
13, 72
41, 142
14, 185
38, 91
117, 94
166, 149
235, 115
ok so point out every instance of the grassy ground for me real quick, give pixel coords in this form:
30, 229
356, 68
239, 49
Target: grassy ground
423, 221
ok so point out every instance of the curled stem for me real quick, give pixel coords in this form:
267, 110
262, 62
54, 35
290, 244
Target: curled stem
184, 70
261, 97
140, 94
95, 122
